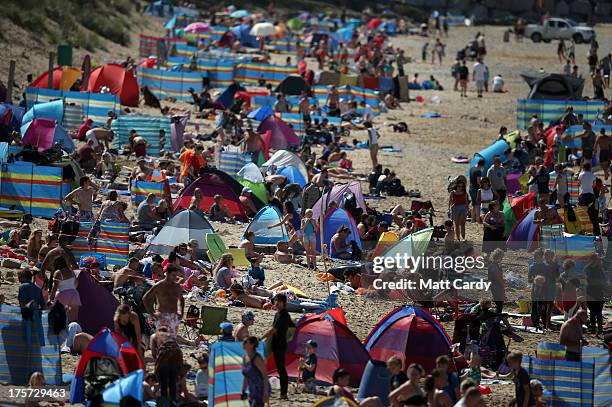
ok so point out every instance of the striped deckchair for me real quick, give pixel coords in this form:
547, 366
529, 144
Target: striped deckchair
551, 110
165, 84
22, 354
73, 117
113, 242
147, 127
141, 189
94, 106
36, 190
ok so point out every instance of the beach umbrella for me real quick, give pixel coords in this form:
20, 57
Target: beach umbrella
239, 14
295, 24
198, 28
263, 30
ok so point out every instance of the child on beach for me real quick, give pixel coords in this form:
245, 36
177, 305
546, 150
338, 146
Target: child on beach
308, 367
201, 380
309, 227
256, 272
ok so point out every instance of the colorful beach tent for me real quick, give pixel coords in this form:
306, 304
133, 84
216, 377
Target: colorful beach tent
268, 215
293, 85
63, 78
181, 228
338, 347
332, 222
250, 177
293, 174
515, 207
412, 334
414, 245
119, 80
213, 182
498, 148
44, 133
98, 305
20, 356
53, 110
284, 158
525, 234
338, 195
130, 385
281, 135
109, 347
261, 113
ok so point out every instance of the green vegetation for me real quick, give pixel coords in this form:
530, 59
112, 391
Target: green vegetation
84, 23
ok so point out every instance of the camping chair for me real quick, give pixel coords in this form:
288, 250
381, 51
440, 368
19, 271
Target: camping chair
206, 323
217, 248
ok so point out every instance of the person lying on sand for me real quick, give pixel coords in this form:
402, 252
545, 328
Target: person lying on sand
249, 300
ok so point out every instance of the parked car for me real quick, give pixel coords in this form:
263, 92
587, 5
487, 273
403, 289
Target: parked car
560, 29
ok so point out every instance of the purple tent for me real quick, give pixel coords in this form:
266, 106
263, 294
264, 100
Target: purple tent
281, 135
98, 304
337, 195
524, 235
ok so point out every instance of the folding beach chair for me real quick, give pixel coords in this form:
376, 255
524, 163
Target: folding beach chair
217, 248
205, 323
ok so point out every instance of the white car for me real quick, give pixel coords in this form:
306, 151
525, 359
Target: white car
560, 29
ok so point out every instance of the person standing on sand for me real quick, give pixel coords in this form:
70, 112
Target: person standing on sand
497, 176
278, 337
83, 196
464, 76
167, 293
373, 136
479, 72
571, 336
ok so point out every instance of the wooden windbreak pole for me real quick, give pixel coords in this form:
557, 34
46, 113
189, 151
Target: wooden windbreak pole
11, 80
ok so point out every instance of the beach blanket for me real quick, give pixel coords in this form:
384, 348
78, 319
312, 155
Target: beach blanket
21, 355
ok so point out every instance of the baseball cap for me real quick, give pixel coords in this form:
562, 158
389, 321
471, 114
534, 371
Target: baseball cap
245, 189
226, 327
248, 316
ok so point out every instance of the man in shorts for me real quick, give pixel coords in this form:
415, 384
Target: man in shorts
168, 294
83, 196
604, 144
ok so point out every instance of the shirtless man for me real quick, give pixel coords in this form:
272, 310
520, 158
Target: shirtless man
333, 101
252, 143
61, 250
248, 245
128, 273
140, 171
304, 108
604, 143
282, 254
167, 293
83, 196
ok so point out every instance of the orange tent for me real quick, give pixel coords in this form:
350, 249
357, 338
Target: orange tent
121, 83
63, 78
